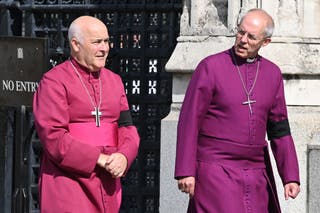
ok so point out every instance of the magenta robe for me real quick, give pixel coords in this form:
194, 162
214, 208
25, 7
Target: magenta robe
224, 147
69, 179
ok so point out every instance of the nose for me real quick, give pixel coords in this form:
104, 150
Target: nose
244, 38
104, 46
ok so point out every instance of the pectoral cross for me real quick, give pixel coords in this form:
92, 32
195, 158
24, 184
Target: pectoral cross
97, 115
249, 102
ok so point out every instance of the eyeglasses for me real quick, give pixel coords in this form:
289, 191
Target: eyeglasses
250, 36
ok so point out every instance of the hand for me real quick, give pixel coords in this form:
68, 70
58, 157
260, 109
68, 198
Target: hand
291, 190
187, 185
102, 160
116, 164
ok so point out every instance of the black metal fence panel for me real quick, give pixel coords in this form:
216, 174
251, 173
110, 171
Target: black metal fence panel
142, 37
6, 161
16, 176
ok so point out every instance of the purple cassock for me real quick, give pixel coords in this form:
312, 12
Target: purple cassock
73, 137
222, 135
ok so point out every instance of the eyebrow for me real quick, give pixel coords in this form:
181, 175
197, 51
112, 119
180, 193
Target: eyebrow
101, 39
253, 36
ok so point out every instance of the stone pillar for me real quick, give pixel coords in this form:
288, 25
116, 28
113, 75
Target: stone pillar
288, 19
313, 177
207, 28
247, 5
203, 18
311, 19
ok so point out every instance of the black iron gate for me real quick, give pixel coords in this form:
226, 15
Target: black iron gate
143, 34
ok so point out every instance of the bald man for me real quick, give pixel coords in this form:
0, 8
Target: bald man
234, 99
84, 124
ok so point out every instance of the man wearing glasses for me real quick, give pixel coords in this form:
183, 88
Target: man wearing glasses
234, 99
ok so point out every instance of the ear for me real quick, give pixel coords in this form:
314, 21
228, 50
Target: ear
75, 45
266, 42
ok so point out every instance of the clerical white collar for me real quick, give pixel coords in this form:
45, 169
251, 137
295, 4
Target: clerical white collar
250, 60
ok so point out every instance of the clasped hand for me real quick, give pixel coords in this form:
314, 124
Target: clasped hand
115, 164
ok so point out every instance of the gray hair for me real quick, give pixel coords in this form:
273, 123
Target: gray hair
75, 32
270, 23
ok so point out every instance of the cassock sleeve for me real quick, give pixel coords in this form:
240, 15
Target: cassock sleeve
194, 108
51, 115
282, 144
127, 133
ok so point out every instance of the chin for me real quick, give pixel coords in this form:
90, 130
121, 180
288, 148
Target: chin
241, 54
100, 64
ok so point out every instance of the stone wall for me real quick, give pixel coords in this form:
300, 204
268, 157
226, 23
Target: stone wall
206, 28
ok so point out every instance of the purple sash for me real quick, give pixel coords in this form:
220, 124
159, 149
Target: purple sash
235, 154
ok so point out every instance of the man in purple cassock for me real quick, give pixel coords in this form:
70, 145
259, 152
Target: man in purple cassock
234, 99
84, 124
